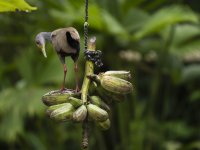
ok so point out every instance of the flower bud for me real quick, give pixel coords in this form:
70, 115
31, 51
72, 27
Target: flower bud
96, 100
126, 75
80, 114
58, 97
97, 113
63, 113
116, 85
105, 125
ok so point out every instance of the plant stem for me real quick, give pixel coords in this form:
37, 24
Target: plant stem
89, 69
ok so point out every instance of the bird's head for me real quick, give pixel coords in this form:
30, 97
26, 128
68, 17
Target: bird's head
40, 41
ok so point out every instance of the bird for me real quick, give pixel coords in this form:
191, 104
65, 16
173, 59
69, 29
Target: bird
66, 42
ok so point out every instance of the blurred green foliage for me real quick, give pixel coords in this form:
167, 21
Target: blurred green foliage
158, 41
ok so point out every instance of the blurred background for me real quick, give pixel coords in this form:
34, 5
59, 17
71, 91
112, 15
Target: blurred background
158, 41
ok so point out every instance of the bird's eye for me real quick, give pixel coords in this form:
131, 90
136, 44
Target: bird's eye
53, 35
38, 42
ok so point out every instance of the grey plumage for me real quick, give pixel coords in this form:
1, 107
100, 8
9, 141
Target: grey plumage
66, 42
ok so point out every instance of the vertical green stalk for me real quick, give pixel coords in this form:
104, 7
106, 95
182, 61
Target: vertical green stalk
89, 69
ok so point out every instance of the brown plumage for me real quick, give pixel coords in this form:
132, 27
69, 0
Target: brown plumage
66, 42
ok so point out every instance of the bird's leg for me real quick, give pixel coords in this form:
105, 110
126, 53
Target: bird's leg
65, 71
76, 76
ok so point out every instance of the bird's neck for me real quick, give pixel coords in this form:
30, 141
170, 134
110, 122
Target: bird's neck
46, 36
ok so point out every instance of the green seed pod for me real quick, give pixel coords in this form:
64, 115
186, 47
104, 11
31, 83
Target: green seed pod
50, 109
105, 125
95, 78
109, 97
75, 102
96, 100
58, 97
97, 113
80, 114
93, 87
126, 75
63, 113
116, 85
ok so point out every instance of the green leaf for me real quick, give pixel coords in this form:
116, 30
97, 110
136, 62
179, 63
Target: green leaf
186, 38
13, 5
16, 104
128, 4
164, 18
190, 73
185, 32
139, 17
112, 25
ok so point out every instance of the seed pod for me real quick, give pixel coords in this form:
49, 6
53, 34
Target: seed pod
96, 100
126, 75
105, 125
63, 113
109, 97
50, 109
95, 78
97, 113
116, 85
80, 114
75, 102
58, 97
93, 87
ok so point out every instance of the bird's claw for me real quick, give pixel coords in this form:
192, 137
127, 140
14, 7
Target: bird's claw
63, 89
77, 89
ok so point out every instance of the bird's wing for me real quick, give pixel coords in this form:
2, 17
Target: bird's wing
73, 39
74, 33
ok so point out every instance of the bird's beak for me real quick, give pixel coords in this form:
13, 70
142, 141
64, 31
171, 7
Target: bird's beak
44, 51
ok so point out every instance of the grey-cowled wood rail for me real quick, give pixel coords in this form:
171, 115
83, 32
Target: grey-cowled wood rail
66, 42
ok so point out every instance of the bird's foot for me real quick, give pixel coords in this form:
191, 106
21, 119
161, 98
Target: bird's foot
63, 89
77, 89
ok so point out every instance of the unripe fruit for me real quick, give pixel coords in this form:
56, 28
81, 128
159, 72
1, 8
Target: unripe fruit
80, 114
97, 113
105, 125
50, 109
126, 75
63, 113
75, 102
116, 85
57, 97
96, 100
